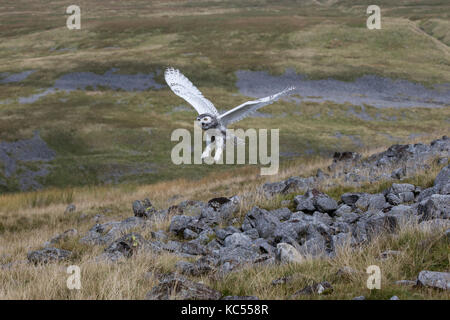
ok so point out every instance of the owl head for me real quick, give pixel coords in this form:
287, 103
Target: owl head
207, 121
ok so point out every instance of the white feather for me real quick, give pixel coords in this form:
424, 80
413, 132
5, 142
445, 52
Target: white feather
184, 88
245, 109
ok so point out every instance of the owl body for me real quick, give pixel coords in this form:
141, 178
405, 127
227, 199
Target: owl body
216, 133
209, 119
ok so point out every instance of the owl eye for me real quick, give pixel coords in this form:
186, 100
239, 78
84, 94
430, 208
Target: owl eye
204, 119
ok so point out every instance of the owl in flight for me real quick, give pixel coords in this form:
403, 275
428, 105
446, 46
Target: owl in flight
209, 117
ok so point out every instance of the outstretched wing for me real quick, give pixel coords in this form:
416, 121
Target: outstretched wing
245, 109
184, 88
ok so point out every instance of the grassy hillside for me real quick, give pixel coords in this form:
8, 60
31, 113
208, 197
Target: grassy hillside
108, 134
30, 219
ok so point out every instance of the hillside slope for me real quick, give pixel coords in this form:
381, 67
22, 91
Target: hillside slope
98, 102
389, 209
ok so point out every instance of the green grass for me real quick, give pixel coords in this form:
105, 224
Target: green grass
95, 132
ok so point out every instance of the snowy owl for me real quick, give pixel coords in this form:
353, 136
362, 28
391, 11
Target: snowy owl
209, 117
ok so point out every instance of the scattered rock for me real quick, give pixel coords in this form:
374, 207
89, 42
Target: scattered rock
124, 247
318, 227
193, 269
324, 203
398, 173
227, 231
190, 208
62, 237
344, 161
237, 240
405, 282
393, 199
371, 202
346, 273
230, 258
282, 214
252, 234
143, 209
70, 208
343, 209
433, 279
297, 184
435, 207
350, 198
179, 223
316, 288
48, 255
188, 234
304, 204
394, 298
288, 254
291, 185
175, 287
282, 280
193, 248
226, 206
443, 178
106, 233
264, 247
159, 235
314, 200
403, 214
398, 188
260, 219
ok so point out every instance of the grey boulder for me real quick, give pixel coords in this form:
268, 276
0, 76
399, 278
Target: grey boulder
48, 255
143, 209
433, 279
286, 253
435, 207
175, 287
260, 219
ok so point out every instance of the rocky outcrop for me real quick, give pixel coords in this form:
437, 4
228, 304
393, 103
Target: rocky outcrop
68, 234
207, 233
314, 200
175, 287
214, 237
143, 209
48, 255
106, 233
432, 279
124, 247
435, 207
